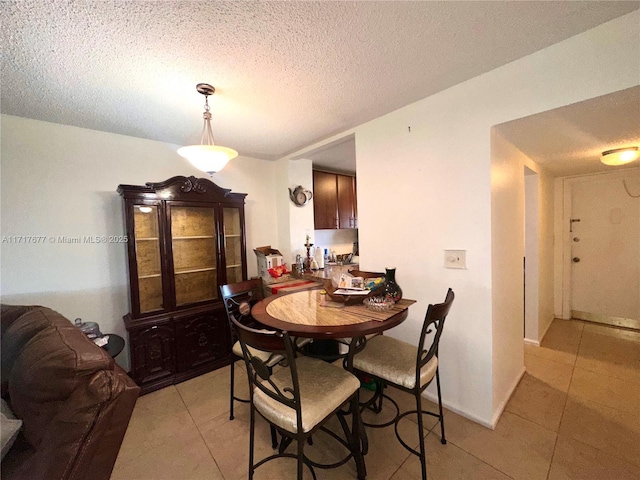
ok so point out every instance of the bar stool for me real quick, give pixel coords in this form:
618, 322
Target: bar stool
299, 399
408, 368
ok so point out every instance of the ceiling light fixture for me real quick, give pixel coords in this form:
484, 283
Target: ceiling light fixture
620, 156
207, 156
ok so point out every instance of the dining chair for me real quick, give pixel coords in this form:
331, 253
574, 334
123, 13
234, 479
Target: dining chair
299, 399
238, 299
408, 368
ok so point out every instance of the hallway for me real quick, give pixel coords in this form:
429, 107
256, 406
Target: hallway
583, 382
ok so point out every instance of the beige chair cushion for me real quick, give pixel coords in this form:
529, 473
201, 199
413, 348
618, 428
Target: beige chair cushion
393, 360
323, 388
269, 359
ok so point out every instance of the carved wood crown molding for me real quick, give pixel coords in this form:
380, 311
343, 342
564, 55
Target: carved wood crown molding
182, 188
189, 184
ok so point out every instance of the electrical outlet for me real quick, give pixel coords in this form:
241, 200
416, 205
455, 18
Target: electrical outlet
455, 258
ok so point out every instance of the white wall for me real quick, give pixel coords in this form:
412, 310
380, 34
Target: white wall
546, 241
61, 181
531, 250
507, 251
423, 191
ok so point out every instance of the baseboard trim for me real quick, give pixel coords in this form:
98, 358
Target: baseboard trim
606, 319
547, 329
491, 424
532, 342
503, 404
481, 421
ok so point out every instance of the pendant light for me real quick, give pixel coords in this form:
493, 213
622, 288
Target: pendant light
207, 156
620, 156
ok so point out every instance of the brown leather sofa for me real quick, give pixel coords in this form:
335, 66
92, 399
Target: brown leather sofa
74, 400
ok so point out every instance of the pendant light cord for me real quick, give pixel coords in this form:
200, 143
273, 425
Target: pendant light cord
207, 134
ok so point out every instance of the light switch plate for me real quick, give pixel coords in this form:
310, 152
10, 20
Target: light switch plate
455, 258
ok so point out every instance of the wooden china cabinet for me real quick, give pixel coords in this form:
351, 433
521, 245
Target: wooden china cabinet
186, 238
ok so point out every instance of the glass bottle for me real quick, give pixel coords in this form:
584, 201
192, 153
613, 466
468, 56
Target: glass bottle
391, 288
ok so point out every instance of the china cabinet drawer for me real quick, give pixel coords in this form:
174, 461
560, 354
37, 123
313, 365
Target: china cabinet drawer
153, 354
202, 339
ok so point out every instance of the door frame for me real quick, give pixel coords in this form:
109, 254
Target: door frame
531, 318
567, 186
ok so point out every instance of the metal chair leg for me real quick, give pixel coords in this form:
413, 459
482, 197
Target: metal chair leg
300, 458
443, 439
423, 455
252, 422
356, 443
274, 437
231, 385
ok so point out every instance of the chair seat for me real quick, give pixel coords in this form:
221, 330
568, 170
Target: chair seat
268, 358
323, 388
393, 360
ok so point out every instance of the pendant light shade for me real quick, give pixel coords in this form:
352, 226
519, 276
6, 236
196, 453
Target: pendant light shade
207, 156
620, 156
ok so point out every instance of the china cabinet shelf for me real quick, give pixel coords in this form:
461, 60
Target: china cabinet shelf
195, 270
179, 254
194, 237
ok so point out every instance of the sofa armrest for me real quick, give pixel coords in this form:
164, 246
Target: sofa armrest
84, 439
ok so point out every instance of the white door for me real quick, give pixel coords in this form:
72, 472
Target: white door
605, 249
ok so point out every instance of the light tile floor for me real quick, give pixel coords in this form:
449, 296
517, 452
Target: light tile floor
574, 415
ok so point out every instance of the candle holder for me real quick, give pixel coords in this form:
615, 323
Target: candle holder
307, 261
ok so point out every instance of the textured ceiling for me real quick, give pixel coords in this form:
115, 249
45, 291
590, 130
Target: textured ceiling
570, 140
287, 74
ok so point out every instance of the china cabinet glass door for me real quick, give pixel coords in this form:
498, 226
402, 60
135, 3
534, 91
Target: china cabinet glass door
194, 246
232, 244
149, 267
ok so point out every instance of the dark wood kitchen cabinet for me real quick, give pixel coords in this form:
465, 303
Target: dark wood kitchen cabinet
186, 237
334, 201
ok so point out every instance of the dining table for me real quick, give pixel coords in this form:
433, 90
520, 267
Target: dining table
310, 314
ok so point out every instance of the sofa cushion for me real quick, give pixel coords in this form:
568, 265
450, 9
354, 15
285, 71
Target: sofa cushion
50, 367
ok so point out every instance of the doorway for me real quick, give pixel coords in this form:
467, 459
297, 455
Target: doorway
601, 249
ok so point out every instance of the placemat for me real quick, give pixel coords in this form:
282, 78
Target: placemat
363, 311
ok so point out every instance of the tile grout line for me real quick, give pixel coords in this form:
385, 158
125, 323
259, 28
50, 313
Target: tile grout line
200, 434
599, 374
566, 400
471, 455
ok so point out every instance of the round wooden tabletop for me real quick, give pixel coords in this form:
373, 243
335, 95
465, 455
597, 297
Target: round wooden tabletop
302, 315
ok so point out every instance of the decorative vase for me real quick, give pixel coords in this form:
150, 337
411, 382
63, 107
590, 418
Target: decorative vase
391, 289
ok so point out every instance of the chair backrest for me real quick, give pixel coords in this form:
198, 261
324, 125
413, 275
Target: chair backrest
436, 315
276, 343
238, 299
